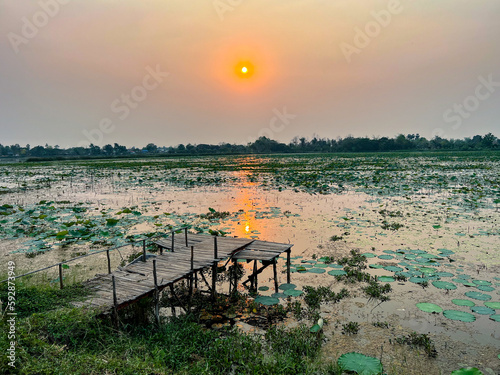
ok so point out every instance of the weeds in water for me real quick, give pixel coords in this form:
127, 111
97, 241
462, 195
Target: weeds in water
351, 328
423, 341
377, 291
391, 226
381, 324
336, 238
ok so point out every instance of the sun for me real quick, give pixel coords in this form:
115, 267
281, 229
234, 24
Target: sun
244, 69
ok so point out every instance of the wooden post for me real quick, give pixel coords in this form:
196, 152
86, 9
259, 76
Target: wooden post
192, 258
214, 269
186, 235
275, 273
161, 249
60, 276
288, 266
109, 261
234, 280
191, 277
144, 250
254, 279
173, 233
115, 302
157, 299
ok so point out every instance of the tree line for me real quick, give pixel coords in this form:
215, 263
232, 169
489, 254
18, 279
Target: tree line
409, 142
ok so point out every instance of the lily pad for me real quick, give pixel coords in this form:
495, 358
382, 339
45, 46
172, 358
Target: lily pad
463, 302
495, 317
478, 296
287, 286
418, 280
429, 307
316, 270
278, 295
467, 371
337, 272
266, 300
376, 266
263, 288
444, 285
485, 288
293, 292
459, 315
481, 282
386, 279
493, 305
360, 363
483, 310
386, 257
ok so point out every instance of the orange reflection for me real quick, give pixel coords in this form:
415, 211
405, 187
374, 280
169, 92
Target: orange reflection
246, 201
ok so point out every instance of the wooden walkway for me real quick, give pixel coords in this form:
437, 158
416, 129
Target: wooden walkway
191, 253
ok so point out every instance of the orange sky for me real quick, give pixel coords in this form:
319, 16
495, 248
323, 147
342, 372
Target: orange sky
64, 80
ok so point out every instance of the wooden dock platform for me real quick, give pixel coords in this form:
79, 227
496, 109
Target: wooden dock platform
180, 257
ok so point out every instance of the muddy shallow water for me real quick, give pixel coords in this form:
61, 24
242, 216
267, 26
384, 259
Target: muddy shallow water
426, 220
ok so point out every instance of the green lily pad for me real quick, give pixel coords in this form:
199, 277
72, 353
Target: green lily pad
386, 257
463, 302
385, 279
337, 272
459, 315
493, 305
334, 265
316, 270
278, 295
444, 285
467, 371
482, 310
360, 364
369, 255
478, 296
485, 288
293, 292
495, 317
287, 286
481, 282
418, 280
315, 328
266, 300
444, 274
464, 282
263, 288
376, 266
429, 307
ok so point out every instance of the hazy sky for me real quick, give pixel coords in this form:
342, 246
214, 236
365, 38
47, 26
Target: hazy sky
165, 71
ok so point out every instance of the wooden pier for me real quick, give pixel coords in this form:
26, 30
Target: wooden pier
182, 256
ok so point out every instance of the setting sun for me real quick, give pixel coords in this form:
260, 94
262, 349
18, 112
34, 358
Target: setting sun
244, 69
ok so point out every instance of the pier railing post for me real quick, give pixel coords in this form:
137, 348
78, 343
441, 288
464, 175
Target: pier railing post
186, 235
60, 276
288, 266
275, 274
109, 261
173, 234
214, 269
157, 297
144, 250
115, 302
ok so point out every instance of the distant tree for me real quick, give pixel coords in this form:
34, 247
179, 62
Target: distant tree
152, 148
108, 149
